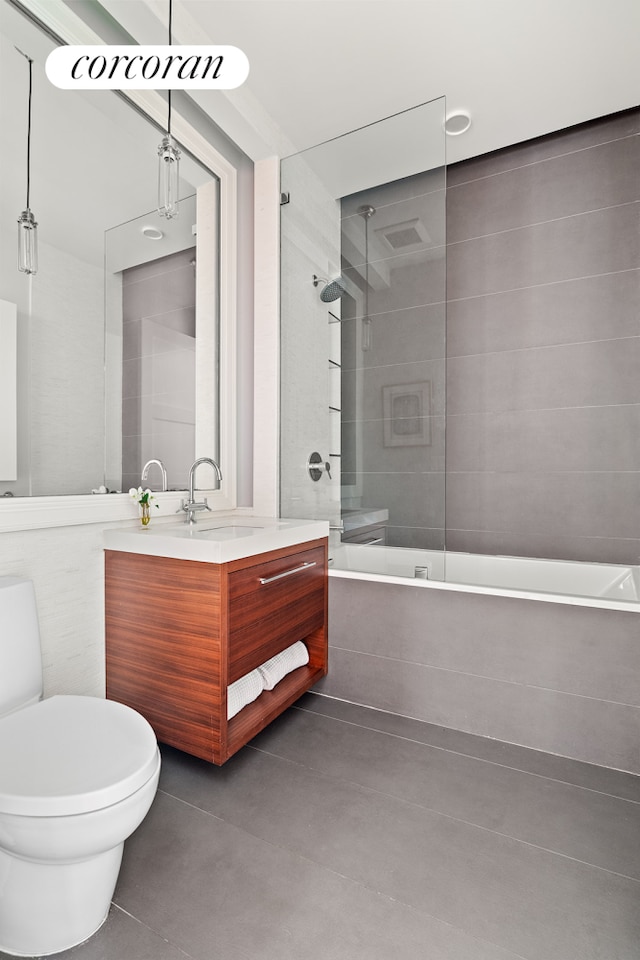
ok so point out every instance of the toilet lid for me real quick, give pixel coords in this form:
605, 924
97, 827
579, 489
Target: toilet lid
72, 754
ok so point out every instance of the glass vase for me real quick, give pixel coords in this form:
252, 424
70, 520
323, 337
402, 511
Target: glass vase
145, 514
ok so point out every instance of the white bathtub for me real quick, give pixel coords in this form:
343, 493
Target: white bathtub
477, 651
585, 584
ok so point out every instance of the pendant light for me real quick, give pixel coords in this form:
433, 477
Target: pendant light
168, 163
27, 226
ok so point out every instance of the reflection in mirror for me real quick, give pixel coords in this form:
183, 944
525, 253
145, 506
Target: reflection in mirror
93, 166
151, 299
155, 333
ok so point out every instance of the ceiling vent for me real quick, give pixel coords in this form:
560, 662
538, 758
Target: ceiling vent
405, 235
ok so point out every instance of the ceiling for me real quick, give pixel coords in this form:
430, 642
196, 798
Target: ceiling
320, 68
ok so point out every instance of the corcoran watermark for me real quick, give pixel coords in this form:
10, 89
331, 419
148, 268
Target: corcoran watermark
107, 67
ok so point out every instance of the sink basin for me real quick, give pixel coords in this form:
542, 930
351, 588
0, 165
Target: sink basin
216, 539
226, 533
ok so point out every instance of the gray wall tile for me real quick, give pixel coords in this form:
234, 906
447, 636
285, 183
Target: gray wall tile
397, 335
603, 176
589, 308
584, 245
552, 544
555, 677
581, 137
583, 651
160, 266
569, 375
573, 505
370, 382
543, 448
595, 731
420, 538
412, 499
605, 438
378, 458
404, 282
543, 347
160, 294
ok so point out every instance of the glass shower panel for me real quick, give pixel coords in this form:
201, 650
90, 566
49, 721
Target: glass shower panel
363, 359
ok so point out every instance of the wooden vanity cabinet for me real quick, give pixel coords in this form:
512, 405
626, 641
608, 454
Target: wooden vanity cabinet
179, 631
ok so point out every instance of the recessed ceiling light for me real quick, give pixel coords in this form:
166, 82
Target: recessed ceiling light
152, 233
457, 123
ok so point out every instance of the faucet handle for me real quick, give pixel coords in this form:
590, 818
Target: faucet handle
191, 507
316, 466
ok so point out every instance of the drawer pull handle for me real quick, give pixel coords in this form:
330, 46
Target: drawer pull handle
287, 573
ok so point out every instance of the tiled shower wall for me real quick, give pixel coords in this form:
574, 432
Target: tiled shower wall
393, 373
543, 347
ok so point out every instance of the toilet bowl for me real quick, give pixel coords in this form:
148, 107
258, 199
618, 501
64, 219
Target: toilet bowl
77, 776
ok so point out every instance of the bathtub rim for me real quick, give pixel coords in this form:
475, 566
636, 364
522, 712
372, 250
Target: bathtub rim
602, 603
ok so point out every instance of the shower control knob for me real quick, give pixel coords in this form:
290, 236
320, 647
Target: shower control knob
316, 466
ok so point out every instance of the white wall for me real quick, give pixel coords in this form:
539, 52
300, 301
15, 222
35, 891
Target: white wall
66, 565
67, 375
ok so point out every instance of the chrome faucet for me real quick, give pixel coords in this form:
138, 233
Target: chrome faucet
145, 473
191, 507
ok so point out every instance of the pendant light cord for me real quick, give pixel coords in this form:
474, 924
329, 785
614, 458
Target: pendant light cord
28, 122
29, 133
169, 91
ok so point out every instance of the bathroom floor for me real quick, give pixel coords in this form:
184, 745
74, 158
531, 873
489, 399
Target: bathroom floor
343, 833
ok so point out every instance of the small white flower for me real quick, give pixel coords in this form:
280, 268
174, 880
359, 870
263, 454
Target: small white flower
142, 496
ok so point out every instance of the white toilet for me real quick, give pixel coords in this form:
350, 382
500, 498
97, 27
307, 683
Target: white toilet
77, 776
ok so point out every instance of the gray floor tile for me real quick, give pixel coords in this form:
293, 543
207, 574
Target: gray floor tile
121, 938
591, 776
217, 891
343, 833
537, 904
583, 824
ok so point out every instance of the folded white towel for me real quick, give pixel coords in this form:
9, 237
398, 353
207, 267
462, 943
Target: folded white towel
283, 663
244, 691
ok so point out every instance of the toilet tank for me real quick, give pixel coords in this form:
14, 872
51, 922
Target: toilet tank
20, 656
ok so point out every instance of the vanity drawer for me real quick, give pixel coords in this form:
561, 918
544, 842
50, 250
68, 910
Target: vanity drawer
273, 604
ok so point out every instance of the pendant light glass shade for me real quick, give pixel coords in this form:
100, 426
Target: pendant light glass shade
168, 177
27, 243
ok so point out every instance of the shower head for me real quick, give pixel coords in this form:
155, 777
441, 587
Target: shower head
332, 289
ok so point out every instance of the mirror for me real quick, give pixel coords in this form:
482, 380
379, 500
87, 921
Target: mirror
93, 169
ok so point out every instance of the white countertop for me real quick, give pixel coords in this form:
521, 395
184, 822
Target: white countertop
214, 539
